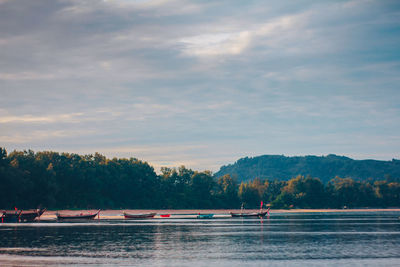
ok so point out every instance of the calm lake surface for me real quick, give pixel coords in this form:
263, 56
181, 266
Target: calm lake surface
306, 239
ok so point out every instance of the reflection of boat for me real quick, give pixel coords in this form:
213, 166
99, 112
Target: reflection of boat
76, 217
205, 216
21, 215
30, 215
139, 215
165, 215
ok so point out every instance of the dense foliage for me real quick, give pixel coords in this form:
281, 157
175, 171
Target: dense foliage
68, 181
325, 168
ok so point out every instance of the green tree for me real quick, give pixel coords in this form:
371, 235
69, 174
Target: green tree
227, 192
201, 187
249, 195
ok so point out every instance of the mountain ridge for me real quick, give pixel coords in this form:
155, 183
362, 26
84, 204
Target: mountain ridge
323, 167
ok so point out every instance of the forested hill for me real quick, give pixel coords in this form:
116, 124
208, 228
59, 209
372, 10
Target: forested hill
324, 167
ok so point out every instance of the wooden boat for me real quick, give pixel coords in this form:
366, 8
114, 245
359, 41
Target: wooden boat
77, 217
205, 216
260, 214
30, 215
139, 215
10, 216
16, 215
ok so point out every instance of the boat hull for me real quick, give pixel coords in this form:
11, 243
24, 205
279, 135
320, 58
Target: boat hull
205, 216
79, 217
249, 214
12, 216
139, 216
30, 215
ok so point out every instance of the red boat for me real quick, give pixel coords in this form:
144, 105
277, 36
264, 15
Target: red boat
165, 215
77, 217
139, 215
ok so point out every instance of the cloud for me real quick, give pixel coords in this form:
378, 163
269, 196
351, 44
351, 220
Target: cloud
216, 44
75, 117
235, 43
26, 76
200, 83
41, 135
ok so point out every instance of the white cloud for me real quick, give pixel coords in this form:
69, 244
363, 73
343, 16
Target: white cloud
216, 44
282, 32
35, 136
26, 76
71, 118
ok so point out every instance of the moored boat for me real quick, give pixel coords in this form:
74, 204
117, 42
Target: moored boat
250, 214
77, 217
30, 215
10, 216
165, 215
242, 214
13, 216
139, 215
205, 216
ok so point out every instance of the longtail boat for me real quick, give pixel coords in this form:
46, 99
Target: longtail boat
139, 215
205, 216
13, 216
10, 216
250, 214
30, 215
243, 214
77, 217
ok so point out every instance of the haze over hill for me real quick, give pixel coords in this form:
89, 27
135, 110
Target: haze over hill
323, 167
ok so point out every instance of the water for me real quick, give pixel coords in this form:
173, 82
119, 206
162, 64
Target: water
323, 239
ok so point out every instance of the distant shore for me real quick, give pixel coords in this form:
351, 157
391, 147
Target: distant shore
118, 214
220, 211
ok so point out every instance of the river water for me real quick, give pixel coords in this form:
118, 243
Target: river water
304, 239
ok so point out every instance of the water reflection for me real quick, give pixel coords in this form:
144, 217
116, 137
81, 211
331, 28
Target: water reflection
297, 239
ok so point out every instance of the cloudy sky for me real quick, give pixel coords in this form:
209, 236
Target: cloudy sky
201, 83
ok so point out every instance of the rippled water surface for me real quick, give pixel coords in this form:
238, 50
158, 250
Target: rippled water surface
345, 239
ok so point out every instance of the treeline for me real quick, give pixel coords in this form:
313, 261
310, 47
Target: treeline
68, 181
301, 192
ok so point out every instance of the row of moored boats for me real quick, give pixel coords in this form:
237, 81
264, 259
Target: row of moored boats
12, 216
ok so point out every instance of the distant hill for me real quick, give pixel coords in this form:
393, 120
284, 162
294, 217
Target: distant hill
324, 167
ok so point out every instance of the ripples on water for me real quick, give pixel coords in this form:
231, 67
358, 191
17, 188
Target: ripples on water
349, 239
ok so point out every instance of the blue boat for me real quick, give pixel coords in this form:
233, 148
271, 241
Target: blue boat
205, 216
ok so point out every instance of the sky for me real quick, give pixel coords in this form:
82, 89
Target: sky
201, 83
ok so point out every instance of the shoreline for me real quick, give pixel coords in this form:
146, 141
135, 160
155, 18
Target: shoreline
187, 213
217, 211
